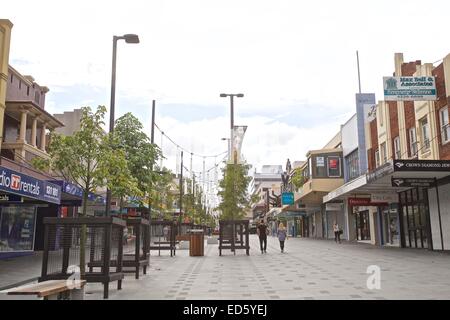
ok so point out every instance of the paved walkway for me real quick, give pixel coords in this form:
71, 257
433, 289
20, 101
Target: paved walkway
310, 269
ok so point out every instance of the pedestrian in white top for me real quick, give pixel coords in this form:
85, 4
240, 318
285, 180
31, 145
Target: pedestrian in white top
337, 232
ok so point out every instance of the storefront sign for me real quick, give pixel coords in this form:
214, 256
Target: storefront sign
413, 182
333, 207
409, 88
287, 198
20, 184
380, 172
364, 202
422, 165
384, 197
10, 198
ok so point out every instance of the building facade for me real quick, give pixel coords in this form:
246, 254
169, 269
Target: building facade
402, 198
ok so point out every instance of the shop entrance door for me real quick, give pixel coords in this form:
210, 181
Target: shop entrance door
362, 225
391, 235
415, 219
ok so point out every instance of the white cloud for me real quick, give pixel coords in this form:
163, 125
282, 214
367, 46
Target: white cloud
283, 55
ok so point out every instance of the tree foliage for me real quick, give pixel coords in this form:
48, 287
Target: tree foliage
233, 191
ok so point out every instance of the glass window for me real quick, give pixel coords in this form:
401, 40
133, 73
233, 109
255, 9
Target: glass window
352, 165
383, 153
425, 132
445, 128
377, 158
397, 152
320, 170
412, 142
334, 167
17, 228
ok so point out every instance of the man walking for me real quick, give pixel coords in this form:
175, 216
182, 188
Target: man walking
262, 231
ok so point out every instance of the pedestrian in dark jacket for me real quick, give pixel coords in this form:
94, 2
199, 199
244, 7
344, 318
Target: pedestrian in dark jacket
282, 235
262, 231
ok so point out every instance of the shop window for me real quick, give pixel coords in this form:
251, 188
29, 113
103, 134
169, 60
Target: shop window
334, 167
397, 152
425, 132
445, 128
412, 142
17, 228
320, 168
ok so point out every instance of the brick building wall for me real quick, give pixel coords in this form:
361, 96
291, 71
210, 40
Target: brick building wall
374, 147
442, 101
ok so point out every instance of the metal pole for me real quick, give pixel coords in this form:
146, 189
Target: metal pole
152, 141
111, 113
232, 127
359, 74
439, 213
181, 188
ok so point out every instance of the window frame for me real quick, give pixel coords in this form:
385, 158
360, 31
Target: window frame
425, 132
397, 149
377, 158
339, 166
383, 153
412, 144
445, 127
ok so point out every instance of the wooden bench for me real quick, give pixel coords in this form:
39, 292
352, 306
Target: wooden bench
52, 290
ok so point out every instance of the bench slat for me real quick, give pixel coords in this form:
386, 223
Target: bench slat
46, 288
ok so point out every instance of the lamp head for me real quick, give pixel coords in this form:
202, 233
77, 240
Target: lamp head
223, 95
131, 38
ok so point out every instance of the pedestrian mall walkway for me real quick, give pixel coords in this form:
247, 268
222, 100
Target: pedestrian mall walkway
309, 269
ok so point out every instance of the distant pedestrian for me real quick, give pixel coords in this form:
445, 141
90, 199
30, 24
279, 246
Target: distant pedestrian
282, 235
393, 230
337, 232
262, 231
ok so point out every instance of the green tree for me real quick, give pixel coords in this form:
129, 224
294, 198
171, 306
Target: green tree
85, 159
140, 153
298, 179
233, 191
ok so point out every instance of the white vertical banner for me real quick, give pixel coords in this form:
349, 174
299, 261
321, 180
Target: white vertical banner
238, 136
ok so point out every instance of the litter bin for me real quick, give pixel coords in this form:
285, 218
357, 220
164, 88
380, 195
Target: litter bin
196, 243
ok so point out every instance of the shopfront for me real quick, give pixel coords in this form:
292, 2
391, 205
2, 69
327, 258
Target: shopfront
415, 219
21, 198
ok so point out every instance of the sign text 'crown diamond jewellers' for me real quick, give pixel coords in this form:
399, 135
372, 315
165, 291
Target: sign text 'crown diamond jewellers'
409, 88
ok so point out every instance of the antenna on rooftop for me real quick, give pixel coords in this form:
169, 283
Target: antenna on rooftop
359, 74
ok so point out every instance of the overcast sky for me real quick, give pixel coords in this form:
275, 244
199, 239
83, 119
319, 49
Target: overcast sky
295, 62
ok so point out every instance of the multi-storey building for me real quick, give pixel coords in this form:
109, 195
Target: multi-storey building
406, 142
265, 184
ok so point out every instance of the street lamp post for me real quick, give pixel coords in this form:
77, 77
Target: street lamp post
232, 158
129, 38
232, 95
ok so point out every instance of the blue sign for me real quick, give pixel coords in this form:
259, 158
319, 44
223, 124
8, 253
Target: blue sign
69, 188
20, 184
287, 198
10, 198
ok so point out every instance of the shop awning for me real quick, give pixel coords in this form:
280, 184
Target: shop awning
394, 176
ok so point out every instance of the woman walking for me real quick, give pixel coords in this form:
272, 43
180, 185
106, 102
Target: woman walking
337, 232
282, 235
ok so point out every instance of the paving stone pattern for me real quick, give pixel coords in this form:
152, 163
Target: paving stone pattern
308, 270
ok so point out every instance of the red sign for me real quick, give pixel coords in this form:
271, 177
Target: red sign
365, 202
333, 163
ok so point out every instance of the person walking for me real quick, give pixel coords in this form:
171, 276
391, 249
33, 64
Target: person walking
337, 232
262, 231
282, 235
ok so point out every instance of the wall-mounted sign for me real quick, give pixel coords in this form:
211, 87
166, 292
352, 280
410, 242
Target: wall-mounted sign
287, 198
409, 88
20, 184
413, 182
365, 202
380, 172
333, 207
422, 165
10, 198
384, 197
